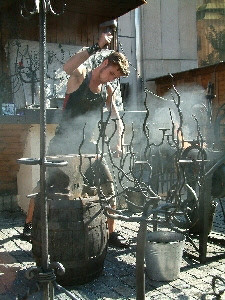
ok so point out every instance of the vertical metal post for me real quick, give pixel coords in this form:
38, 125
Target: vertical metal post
204, 208
140, 257
44, 229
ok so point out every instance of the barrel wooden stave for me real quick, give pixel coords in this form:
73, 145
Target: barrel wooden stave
77, 238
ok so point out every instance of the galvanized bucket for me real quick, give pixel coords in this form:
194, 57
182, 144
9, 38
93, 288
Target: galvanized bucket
163, 255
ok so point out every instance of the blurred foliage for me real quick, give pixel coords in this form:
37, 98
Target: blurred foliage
217, 40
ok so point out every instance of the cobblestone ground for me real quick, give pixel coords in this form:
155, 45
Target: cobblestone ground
118, 278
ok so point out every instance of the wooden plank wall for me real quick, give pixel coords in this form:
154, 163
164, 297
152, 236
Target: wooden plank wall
12, 142
201, 76
68, 28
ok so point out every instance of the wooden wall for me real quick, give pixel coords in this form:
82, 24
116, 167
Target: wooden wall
201, 76
12, 141
214, 74
68, 28
77, 26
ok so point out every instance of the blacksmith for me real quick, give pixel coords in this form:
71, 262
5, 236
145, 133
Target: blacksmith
86, 94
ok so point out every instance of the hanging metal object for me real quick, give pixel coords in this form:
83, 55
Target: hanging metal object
45, 274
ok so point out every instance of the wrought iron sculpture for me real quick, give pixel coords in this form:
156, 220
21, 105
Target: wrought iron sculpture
188, 190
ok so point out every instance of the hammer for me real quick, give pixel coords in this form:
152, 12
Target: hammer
110, 26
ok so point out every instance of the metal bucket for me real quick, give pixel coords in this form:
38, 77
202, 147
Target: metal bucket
163, 255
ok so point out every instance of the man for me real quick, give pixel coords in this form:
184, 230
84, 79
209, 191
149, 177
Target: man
84, 97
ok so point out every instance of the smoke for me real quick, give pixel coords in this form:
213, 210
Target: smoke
193, 104
74, 135
164, 114
84, 131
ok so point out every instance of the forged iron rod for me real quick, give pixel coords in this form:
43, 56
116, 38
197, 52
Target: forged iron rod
44, 221
204, 207
215, 166
140, 255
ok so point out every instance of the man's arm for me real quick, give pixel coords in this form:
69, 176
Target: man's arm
111, 106
73, 64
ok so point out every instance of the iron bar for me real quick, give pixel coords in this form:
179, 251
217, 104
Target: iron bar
140, 256
44, 220
204, 202
215, 166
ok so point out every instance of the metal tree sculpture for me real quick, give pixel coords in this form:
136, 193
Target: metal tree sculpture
144, 176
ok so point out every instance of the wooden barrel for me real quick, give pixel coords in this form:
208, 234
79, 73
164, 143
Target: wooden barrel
77, 238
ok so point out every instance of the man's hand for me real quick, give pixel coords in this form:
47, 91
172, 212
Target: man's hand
105, 39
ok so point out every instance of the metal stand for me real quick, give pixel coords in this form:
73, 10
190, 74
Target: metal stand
45, 275
204, 208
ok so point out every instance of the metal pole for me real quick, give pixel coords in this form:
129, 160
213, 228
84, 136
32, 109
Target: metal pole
140, 256
204, 208
44, 231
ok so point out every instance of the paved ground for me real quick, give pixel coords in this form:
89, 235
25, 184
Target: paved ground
118, 278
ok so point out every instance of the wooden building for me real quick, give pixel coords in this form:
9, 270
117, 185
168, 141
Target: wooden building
76, 25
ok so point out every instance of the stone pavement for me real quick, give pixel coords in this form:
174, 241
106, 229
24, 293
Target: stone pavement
118, 278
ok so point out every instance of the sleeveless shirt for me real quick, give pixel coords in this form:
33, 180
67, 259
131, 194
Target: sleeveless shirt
82, 100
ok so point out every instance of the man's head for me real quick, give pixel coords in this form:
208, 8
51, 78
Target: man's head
114, 66
120, 61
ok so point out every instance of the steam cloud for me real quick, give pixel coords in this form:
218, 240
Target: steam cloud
193, 103
69, 135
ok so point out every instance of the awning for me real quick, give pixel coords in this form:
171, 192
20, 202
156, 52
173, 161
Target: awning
109, 9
